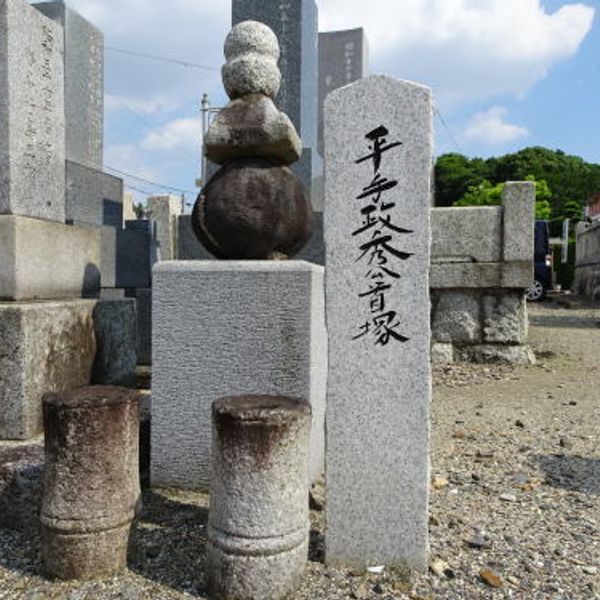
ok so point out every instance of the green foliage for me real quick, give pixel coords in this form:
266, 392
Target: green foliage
570, 180
488, 194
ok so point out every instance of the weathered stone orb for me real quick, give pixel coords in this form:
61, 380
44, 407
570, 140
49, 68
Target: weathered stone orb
253, 209
251, 51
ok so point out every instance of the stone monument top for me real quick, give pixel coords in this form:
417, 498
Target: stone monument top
254, 207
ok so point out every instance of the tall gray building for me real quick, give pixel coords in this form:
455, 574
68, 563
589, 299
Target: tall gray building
343, 58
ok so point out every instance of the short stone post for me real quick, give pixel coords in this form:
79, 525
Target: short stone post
91, 481
258, 523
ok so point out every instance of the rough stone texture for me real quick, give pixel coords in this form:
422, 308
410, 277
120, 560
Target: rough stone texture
164, 211
446, 275
83, 82
209, 341
378, 393
587, 267
143, 304
343, 58
295, 25
46, 346
518, 202
442, 353
258, 519
53, 346
497, 353
251, 52
469, 234
91, 481
32, 114
505, 318
456, 317
115, 328
42, 259
253, 209
93, 197
21, 470
252, 126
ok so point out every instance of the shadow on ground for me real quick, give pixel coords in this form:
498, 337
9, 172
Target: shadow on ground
572, 473
168, 544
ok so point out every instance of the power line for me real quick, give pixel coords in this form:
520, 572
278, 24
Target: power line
182, 63
450, 134
137, 189
147, 181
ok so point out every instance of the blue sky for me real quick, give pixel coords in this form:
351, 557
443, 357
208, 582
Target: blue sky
506, 74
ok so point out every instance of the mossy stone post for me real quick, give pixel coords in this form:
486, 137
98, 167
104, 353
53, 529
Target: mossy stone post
91, 481
258, 522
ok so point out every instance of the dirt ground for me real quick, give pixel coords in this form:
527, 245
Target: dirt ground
515, 498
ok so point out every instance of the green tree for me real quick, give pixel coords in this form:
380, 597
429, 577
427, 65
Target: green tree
454, 175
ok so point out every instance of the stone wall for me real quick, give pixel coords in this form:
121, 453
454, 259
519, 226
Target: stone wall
587, 267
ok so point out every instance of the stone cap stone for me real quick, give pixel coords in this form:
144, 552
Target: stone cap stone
94, 396
270, 411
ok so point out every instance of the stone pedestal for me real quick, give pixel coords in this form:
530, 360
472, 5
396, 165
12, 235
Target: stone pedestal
59, 345
223, 328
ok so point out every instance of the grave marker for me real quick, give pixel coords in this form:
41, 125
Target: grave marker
378, 157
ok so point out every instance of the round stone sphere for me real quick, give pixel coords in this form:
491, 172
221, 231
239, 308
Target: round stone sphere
251, 51
253, 209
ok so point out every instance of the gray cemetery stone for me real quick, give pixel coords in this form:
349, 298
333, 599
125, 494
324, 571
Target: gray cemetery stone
84, 84
188, 245
128, 212
343, 58
143, 304
93, 197
74, 340
295, 23
133, 263
164, 211
210, 341
43, 259
32, 115
379, 381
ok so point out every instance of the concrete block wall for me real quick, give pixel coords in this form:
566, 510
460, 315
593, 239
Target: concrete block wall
587, 266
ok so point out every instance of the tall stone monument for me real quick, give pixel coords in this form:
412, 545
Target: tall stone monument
343, 59
378, 161
252, 322
295, 23
32, 117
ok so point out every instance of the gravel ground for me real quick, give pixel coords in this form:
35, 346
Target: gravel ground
515, 498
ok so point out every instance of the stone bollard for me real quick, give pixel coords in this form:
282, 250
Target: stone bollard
91, 481
258, 522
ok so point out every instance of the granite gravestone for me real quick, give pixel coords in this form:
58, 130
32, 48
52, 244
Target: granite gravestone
378, 157
32, 145
295, 23
343, 58
84, 84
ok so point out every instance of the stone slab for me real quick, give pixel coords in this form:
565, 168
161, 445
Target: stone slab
133, 259
43, 259
379, 381
84, 84
518, 203
210, 341
343, 58
188, 246
56, 345
446, 275
93, 197
456, 317
472, 234
143, 303
32, 114
164, 211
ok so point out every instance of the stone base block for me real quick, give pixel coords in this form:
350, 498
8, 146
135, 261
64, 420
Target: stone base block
496, 353
225, 328
21, 487
53, 346
42, 259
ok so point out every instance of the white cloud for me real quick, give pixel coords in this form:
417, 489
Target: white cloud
150, 106
491, 128
181, 134
465, 49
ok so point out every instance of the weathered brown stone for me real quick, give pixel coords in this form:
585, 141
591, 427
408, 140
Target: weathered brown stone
253, 209
91, 480
252, 126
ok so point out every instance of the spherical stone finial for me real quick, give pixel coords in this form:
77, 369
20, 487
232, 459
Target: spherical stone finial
251, 51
